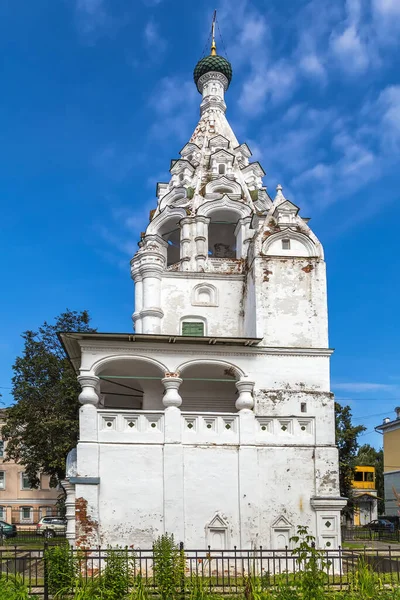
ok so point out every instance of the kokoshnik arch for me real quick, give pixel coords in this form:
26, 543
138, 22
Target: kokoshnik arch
214, 420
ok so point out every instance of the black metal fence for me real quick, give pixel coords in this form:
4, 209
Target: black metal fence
25, 516
221, 571
365, 534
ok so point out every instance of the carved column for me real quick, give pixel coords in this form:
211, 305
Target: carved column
186, 243
243, 237
245, 400
70, 510
173, 456
201, 240
137, 321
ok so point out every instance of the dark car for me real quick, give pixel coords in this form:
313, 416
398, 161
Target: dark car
7, 530
380, 525
392, 519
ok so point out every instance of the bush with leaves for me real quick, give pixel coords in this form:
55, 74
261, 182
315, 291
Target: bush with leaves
62, 570
169, 567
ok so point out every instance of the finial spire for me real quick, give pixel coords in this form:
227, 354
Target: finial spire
213, 44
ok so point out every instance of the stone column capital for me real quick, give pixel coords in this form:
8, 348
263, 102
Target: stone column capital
89, 383
171, 383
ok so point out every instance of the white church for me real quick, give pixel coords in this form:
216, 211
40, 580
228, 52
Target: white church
214, 420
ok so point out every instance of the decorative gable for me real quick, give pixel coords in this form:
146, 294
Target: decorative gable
286, 213
218, 141
221, 162
218, 522
281, 523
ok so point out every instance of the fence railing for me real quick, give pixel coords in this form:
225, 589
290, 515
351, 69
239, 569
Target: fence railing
221, 571
366, 534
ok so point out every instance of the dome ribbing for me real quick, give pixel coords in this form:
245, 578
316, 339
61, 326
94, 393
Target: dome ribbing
212, 63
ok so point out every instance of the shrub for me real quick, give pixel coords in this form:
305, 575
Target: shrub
169, 567
61, 570
116, 577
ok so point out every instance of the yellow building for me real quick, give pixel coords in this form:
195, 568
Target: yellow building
391, 462
365, 495
19, 503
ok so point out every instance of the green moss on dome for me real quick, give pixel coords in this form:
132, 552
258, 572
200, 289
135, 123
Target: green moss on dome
212, 63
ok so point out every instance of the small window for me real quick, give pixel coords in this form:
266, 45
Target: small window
368, 476
2, 480
303, 407
2, 512
285, 244
358, 476
221, 169
26, 513
1, 448
25, 483
193, 329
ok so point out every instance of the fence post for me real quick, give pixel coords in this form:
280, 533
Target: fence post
45, 571
182, 557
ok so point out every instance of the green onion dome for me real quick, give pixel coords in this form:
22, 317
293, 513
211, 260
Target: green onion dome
212, 63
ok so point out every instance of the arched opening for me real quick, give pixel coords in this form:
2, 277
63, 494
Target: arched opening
221, 234
131, 384
208, 387
173, 250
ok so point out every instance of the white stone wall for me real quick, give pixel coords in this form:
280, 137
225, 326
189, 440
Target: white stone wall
291, 302
222, 315
247, 485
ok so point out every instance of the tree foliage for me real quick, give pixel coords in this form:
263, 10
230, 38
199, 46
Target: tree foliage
347, 443
42, 426
369, 456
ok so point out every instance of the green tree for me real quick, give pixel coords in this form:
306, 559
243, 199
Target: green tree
42, 426
367, 455
347, 443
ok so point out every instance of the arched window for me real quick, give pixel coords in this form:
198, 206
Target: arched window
221, 169
173, 240
204, 294
221, 235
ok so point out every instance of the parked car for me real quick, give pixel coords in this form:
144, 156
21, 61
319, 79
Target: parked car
393, 519
7, 530
51, 526
380, 525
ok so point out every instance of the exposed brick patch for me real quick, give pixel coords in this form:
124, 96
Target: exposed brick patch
307, 269
86, 527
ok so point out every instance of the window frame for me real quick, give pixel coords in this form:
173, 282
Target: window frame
285, 243
2, 483
21, 514
189, 324
2, 448
23, 487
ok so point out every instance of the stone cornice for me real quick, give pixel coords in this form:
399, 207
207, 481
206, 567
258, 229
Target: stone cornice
133, 347
204, 276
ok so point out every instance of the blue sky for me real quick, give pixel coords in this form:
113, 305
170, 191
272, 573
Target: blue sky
97, 97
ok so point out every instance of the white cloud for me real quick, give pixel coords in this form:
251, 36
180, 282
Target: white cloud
312, 65
274, 84
351, 52
91, 16
175, 104
153, 39
388, 106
